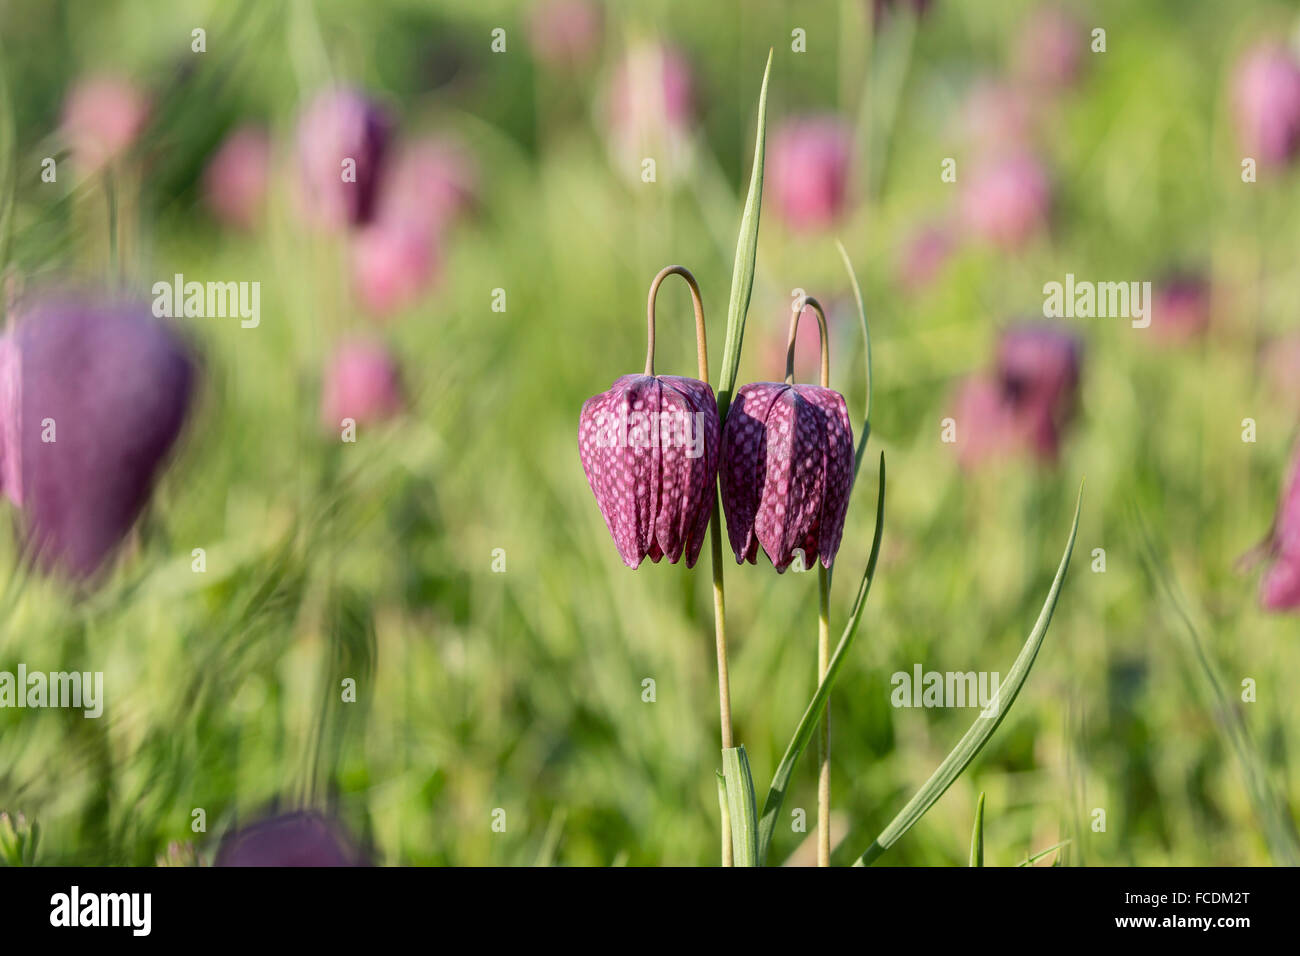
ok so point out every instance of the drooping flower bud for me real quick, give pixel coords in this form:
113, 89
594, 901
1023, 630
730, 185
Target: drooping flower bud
92, 398
102, 116
363, 383
235, 182
787, 466
1006, 200
1266, 98
809, 171
296, 839
343, 139
649, 448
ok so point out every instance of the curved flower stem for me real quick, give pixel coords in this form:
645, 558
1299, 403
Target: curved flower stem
701, 343
808, 302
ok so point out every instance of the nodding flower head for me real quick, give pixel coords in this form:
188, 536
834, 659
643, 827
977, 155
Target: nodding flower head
102, 117
362, 382
649, 447
343, 138
787, 465
810, 171
235, 182
1266, 99
295, 839
92, 399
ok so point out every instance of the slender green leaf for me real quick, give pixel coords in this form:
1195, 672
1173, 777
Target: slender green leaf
977, 835
866, 338
812, 714
726, 819
985, 724
1029, 861
740, 805
742, 273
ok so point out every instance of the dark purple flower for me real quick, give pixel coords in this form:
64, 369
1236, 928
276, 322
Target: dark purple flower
93, 398
1181, 310
787, 470
649, 447
1266, 97
1038, 373
295, 839
343, 138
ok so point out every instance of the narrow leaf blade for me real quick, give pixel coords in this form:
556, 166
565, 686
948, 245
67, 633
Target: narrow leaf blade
977, 835
740, 804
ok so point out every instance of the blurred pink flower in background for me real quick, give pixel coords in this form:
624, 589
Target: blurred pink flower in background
649, 109
1266, 98
808, 171
102, 116
343, 139
430, 182
924, 255
1006, 200
998, 116
235, 182
1050, 48
362, 382
1180, 311
392, 263
1280, 590
1027, 401
565, 34
1281, 360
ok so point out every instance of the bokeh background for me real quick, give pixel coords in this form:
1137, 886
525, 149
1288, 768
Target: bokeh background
521, 689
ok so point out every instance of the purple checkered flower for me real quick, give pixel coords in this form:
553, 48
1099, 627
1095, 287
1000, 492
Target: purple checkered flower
787, 470
92, 399
295, 839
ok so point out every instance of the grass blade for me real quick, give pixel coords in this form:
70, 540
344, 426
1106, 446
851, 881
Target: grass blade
866, 338
740, 805
742, 273
812, 714
977, 835
1029, 861
985, 724
726, 819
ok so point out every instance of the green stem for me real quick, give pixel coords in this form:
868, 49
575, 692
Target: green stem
824, 732
720, 637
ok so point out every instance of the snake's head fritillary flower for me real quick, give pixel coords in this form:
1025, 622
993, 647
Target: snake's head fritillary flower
92, 399
362, 382
1180, 311
649, 448
295, 839
1007, 199
102, 117
1280, 590
650, 109
235, 182
430, 183
787, 470
1038, 369
809, 171
343, 138
1050, 48
1266, 99
565, 34
392, 263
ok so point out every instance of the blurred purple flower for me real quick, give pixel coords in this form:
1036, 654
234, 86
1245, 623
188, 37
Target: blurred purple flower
296, 839
1007, 199
343, 138
565, 34
649, 108
236, 179
94, 396
431, 181
362, 382
1181, 310
1280, 590
1266, 97
787, 470
392, 264
102, 116
924, 255
1038, 369
1050, 48
649, 448
809, 170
